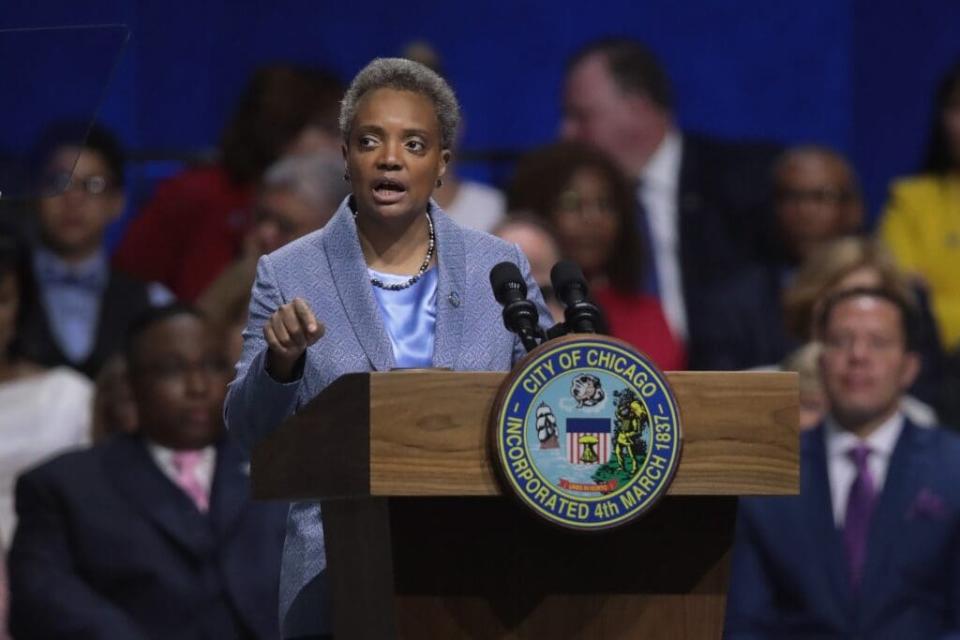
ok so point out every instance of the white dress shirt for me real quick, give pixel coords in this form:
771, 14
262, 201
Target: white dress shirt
204, 471
842, 471
659, 193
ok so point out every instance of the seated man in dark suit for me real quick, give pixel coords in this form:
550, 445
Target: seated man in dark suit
817, 200
151, 536
871, 546
702, 202
83, 308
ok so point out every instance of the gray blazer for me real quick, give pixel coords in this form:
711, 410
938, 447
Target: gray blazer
327, 269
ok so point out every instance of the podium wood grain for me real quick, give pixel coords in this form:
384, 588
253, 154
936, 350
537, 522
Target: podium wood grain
739, 437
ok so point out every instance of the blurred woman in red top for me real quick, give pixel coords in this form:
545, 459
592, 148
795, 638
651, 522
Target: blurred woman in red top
582, 194
196, 221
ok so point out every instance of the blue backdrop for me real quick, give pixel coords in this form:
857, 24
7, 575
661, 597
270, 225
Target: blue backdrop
855, 74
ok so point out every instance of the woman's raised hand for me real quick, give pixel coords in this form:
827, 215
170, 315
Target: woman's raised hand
289, 331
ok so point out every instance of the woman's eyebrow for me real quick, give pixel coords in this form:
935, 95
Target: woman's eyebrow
416, 132
370, 128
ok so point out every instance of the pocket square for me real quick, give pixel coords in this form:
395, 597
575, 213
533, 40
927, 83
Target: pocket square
927, 504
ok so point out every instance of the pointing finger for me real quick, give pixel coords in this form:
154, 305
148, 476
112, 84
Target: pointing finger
305, 314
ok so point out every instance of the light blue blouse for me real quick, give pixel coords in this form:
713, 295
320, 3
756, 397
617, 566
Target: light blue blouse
410, 316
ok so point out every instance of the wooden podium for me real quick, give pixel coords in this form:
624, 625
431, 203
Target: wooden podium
422, 544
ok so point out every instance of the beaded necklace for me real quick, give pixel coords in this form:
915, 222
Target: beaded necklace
431, 245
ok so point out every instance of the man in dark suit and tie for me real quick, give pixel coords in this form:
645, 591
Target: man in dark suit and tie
871, 546
704, 202
155, 535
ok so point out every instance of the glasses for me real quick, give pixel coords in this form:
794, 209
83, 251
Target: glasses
573, 202
824, 196
60, 182
873, 344
178, 369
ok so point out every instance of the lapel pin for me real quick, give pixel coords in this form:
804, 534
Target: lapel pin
454, 298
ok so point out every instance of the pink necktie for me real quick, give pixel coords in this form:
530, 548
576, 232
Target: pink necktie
186, 463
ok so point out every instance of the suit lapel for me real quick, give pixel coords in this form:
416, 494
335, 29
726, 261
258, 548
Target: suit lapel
230, 490
826, 536
689, 205
341, 246
113, 316
902, 483
37, 335
138, 478
451, 290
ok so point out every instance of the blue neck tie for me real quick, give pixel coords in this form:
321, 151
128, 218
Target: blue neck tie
651, 280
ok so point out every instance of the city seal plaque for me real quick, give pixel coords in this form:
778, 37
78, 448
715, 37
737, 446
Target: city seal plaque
586, 432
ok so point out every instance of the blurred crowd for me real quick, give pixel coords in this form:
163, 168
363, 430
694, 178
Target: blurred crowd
704, 253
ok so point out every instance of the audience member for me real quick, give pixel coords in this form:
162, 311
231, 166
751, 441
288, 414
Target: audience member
817, 199
538, 242
298, 195
42, 411
472, 204
83, 307
151, 535
921, 224
704, 203
848, 263
813, 401
743, 331
870, 546
196, 222
114, 410
587, 199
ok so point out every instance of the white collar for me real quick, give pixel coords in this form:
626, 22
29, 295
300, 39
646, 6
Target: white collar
663, 168
164, 456
882, 441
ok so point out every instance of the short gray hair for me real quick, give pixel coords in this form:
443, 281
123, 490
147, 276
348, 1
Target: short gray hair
317, 179
403, 75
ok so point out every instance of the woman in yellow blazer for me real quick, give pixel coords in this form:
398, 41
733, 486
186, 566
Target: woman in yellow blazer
921, 223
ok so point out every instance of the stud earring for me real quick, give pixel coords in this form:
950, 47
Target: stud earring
439, 182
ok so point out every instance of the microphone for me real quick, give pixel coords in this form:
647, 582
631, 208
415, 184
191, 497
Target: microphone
520, 316
581, 315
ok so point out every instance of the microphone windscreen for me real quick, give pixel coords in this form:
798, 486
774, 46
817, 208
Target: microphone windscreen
505, 278
566, 273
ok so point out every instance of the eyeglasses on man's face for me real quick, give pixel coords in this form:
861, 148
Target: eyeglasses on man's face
60, 182
822, 196
178, 369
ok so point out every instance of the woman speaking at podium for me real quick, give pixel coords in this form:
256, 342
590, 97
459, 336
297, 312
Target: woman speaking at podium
389, 282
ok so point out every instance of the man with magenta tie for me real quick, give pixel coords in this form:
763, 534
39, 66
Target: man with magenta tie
871, 546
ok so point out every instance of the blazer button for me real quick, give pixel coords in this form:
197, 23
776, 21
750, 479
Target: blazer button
454, 299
